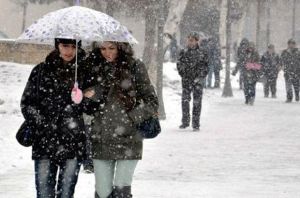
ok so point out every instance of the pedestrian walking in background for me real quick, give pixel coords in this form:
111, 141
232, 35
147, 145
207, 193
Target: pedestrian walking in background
214, 62
241, 58
290, 60
251, 73
173, 48
192, 66
270, 68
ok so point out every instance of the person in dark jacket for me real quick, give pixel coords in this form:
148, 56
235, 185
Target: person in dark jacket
250, 75
59, 144
173, 48
241, 58
214, 62
192, 66
121, 86
270, 68
290, 60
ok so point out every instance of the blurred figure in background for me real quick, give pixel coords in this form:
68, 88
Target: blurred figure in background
192, 66
251, 74
290, 60
214, 62
241, 58
270, 68
173, 48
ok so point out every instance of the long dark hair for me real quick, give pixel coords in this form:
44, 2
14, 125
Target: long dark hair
101, 71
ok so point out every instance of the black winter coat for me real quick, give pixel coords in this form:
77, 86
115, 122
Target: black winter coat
290, 60
214, 54
270, 65
46, 104
193, 63
114, 132
241, 57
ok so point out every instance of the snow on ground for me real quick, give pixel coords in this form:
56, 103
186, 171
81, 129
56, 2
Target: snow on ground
241, 151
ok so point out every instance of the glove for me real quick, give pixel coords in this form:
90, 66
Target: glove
76, 94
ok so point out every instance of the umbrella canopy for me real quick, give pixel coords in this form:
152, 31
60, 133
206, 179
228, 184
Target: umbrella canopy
78, 23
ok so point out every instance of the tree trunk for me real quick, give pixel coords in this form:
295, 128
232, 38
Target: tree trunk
268, 21
25, 5
227, 91
222, 30
160, 59
150, 32
258, 24
294, 19
242, 21
110, 7
176, 10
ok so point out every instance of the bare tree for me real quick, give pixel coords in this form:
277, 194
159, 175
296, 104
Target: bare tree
24, 5
259, 6
233, 13
160, 60
176, 10
241, 22
294, 19
150, 33
222, 29
268, 21
110, 7
227, 91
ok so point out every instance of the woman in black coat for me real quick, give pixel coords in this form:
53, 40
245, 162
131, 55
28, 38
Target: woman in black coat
251, 75
59, 143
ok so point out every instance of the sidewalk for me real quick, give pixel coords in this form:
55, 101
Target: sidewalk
240, 152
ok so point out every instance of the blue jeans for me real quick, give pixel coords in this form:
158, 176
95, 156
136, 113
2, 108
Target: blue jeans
109, 173
45, 178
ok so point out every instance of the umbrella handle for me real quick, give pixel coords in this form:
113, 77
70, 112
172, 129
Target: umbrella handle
77, 2
76, 59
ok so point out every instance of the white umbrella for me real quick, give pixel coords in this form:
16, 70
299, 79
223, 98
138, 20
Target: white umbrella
78, 23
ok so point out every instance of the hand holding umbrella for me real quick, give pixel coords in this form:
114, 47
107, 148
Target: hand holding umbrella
76, 94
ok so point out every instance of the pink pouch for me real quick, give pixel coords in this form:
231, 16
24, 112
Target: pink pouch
253, 66
76, 94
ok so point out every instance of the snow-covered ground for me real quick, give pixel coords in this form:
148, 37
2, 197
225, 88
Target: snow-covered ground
241, 151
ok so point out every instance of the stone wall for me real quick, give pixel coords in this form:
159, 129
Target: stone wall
26, 53
11, 51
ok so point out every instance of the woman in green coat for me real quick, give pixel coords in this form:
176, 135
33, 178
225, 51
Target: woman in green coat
120, 86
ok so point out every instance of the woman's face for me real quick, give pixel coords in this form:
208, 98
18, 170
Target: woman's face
67, 51
191, 42
109, 51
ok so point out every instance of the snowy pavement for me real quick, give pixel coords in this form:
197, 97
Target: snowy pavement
241, 151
